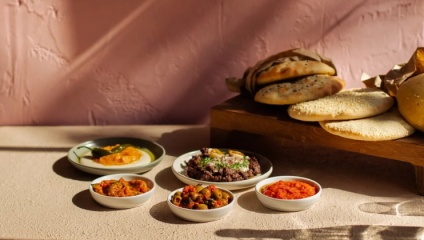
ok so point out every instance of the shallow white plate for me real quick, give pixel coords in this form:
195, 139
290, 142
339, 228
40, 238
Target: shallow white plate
179, 168
81, 158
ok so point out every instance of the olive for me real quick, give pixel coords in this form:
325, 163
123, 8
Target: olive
224, 202
176, 200
202, 206
188, 203
206, 193
194, 195
178, 193
217, 194
208, 202
199, 188
225, 195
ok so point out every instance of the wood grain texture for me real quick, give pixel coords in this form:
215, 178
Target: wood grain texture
419, 178
243, 114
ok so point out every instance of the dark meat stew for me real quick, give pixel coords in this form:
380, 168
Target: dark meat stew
215, 165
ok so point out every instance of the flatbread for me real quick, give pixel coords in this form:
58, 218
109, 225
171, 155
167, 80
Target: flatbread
348, 104
387, 126
304, 89
294, 69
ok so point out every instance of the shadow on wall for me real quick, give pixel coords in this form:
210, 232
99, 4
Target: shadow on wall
162, 62
340, 233
133, 65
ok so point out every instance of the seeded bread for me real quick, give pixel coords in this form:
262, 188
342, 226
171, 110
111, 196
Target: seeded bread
304, 89
387, 126
345, 105
293, 69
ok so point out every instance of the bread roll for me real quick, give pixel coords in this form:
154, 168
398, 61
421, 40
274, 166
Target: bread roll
293, 69
305, 89
410, 97
348, 104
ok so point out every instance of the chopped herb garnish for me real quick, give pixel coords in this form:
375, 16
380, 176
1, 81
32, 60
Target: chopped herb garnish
225, 160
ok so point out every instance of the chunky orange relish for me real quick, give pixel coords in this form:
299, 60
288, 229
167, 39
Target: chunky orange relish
121, 188
288, 190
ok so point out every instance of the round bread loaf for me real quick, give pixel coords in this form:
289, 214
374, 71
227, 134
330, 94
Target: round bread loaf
293, 69
305, 89
387, 126
410, 97
348, 104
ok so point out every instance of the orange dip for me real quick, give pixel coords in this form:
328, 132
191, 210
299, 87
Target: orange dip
121, 188
288, 190
126, 156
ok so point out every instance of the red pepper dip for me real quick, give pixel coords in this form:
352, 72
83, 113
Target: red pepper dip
288, 190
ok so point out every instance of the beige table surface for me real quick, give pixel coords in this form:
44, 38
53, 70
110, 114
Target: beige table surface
44, 197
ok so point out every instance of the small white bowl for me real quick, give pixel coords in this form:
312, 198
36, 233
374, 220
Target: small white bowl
201, 215
123, 202
288, 205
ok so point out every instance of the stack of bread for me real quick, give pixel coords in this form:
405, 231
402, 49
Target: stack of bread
308, 82
362, 114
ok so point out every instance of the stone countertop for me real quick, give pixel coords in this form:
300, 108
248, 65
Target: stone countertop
45, 197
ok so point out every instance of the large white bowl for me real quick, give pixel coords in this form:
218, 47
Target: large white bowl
201, 215
123, 202
288, 205
179, 168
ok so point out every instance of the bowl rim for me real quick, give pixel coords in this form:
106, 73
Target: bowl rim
156, 161
260, 184
202, 211
125, 174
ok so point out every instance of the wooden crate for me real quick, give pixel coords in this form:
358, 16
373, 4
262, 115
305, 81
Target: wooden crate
245, 115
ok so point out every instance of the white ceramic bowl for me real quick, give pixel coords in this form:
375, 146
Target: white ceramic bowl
123, 202
288, 205
201, 215
179, 168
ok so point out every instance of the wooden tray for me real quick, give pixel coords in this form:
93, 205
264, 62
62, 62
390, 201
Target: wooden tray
243, 114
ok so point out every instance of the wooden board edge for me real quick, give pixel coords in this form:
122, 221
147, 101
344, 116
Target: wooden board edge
228, 120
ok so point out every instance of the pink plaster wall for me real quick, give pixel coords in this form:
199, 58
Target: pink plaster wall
79, 62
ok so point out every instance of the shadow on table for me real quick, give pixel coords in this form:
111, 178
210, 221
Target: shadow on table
162, 213
341, 232
167, 180
84, 201
63, 168
250, 202
182, 141
406, 208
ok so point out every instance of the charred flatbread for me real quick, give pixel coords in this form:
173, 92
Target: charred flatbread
304, 89
293, 69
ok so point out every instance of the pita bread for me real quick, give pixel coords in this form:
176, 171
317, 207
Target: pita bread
345, 105
294, 69
387, 126
304, 89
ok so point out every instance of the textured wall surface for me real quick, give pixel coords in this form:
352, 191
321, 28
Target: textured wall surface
98, 62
